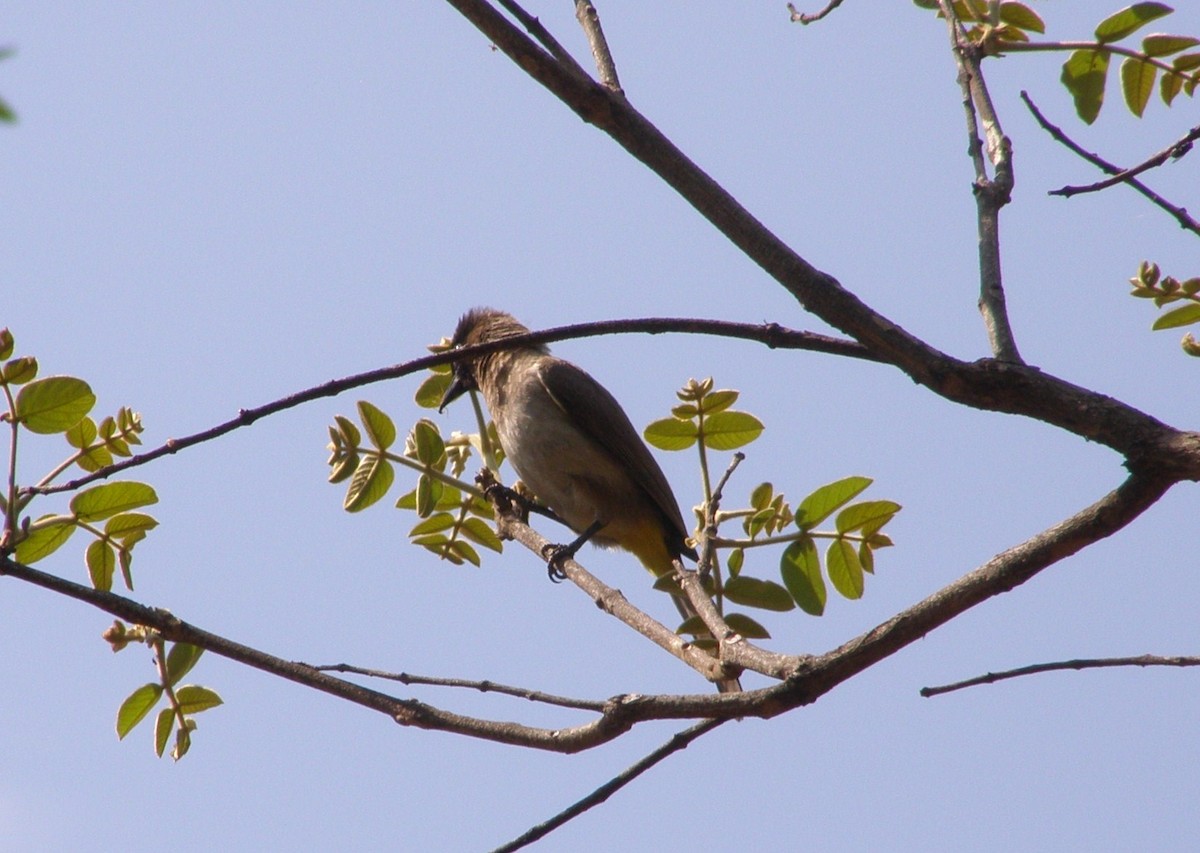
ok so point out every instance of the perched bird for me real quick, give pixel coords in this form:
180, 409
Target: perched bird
573, 445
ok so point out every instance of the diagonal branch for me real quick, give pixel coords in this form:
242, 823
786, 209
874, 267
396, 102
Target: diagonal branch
1174, 151
1180, 214
680, 740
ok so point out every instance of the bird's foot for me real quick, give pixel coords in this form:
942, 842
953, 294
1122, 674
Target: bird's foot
556, 555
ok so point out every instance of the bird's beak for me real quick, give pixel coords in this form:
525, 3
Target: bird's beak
457, 389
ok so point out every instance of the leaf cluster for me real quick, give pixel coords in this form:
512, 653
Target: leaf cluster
61, 405
1003, 27
182, 702
1149, 283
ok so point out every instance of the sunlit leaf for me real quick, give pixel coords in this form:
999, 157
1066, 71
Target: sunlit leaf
1020, 15
379, 428
129, 524
730, 430
136, 706
1161, 44
1182, 316
845, 572
102, 564
370, 482
1129, 20
44, 541
718, 401
671, 434
430, 392
428, 442
193, 698
800, 568
109, 499
868, 515
1137, 83
162, 730
54, 404
180, 660
824, 501
480, 532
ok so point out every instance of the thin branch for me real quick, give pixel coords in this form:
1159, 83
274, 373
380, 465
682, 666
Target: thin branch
484, 686
534, 27
991, 192
811, 17
1081, 663
678, 742
772, 335
1174, 151
1180, 214
589, 19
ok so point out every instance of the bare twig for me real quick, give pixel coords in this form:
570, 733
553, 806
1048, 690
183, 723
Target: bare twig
679, 741
484, 686
1180, 214
1173, 151
589, 19
534, 27
1082, 663
811, 17
991, 192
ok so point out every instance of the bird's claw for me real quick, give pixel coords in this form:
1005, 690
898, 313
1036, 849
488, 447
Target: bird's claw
554, 556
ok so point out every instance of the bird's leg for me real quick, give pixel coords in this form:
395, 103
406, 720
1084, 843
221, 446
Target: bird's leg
555, 554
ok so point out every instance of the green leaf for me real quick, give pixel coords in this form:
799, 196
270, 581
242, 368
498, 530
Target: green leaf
428, 441
479, 531
108, 499
731, 430
6, 343
102, 564
95, 458
1186, 62
1182, 316
736, 558
44, 541
747, 627
845, 572
129, 524
180, 660
430, 392
754, 592
868, 515
1084, 74
464, 551
1020, 15
348, 430
761, 496
800, 568
379, 428
6, 112
82, 434
718, 401
1137, 83
344, 468
125, 558
136, 706
54, 404
162, 730
19, 370
372, 478
1168, 88
671, 434
1161, 44
1129, 20
434, 524
429, 494
824, 501
193, 698
866, 557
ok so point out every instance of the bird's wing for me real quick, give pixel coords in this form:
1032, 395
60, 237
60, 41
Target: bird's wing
598, 414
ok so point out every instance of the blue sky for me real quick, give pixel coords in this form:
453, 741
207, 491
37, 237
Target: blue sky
206, 207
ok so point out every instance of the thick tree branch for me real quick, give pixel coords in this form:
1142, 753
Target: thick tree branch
993, 385
1057, 666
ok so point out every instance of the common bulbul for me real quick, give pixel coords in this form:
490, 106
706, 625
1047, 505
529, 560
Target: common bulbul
573, 445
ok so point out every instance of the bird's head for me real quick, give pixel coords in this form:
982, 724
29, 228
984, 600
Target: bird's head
479, 326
